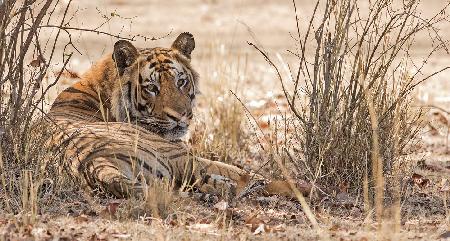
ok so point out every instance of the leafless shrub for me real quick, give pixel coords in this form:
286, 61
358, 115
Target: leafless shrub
351, 100
28, 171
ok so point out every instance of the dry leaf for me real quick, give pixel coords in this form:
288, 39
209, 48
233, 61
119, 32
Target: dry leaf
433, 130
110, 209
260, 229
343, 187
334, 228
41, 232
280, 96
36, 62
204, 227
96, 237
419, 180
68, 74
254, 223
264, 228
271, 104
3, 221
279, 228
221, 206
205, 220
81, 219
173, 223
120, 235
254, 220
344, 199
263, 124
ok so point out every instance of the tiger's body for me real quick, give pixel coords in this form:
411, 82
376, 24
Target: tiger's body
121, 124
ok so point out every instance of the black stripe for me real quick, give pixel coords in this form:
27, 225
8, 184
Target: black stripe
77, 91
99, 153
98, 168
83, 143
77, 103
123, 157
141, 107
205, 178
96, 152
178, 155
167, 167
136, 96
129, 91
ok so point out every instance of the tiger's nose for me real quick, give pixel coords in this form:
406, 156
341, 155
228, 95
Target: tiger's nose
181, 118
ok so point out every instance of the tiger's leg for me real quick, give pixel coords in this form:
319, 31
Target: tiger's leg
218, 177
209, 177
105, 173
212, 177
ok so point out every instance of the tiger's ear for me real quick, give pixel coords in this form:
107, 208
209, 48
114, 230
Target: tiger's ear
125, 54
184, 44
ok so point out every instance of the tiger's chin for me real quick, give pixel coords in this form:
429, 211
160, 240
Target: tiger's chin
176, 133
172, 134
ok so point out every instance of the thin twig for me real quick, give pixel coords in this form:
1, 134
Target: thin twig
133, 38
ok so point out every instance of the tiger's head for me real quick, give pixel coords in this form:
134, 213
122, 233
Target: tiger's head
156, 87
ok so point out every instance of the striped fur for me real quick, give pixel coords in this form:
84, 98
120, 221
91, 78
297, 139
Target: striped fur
121, 123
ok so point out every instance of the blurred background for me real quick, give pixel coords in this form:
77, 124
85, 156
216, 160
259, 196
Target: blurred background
222, 30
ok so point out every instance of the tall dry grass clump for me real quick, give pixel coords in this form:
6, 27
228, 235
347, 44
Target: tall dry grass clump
218, 133
29, 172
351, 93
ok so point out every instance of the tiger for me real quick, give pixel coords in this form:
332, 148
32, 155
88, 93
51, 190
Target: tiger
123, 122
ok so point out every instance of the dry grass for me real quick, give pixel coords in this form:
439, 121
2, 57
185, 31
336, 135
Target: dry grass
159, 198
30, 173
218, 132
351, 101
351, 122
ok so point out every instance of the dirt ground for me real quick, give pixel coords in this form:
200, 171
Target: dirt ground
221, 30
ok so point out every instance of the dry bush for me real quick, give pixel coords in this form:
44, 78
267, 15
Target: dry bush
351, 101
29, 173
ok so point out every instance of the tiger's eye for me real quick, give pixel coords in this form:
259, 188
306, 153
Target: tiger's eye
181, 83
152, 90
